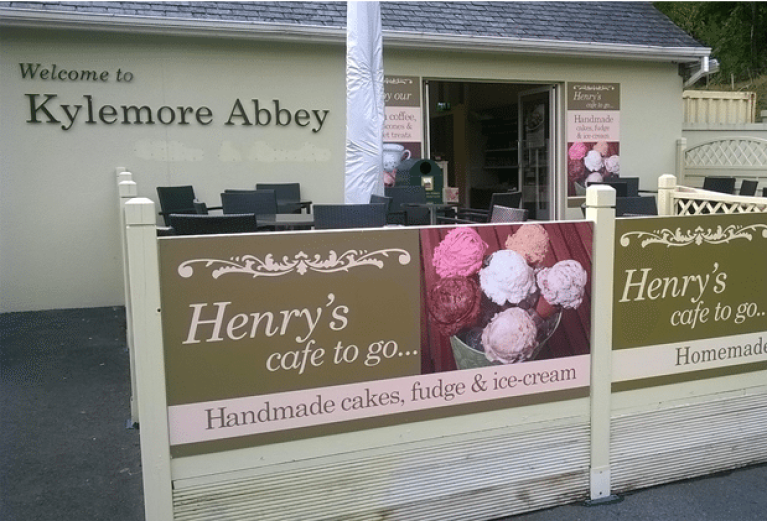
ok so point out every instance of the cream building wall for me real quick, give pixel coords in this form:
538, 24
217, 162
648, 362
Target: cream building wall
59, 244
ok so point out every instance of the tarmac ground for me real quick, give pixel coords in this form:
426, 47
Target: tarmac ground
70, 454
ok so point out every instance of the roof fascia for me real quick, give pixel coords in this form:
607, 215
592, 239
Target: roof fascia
334, 35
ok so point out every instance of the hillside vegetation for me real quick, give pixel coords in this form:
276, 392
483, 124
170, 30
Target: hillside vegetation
737, 35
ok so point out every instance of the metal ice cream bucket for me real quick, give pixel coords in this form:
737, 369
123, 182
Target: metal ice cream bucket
468, 357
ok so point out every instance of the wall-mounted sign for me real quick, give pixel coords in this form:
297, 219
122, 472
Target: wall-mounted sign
686, 301
67, 111
403, 127
593, 134
272, 337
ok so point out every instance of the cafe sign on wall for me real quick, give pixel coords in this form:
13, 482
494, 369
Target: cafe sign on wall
593, 134
688, 299
49, 108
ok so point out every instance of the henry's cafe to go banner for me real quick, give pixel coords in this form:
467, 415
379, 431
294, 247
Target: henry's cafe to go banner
272, 337
689, 300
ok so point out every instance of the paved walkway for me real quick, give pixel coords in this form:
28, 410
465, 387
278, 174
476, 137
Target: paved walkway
66, 454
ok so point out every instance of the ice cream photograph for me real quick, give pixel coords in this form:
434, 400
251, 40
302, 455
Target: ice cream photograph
591, 162
505, 294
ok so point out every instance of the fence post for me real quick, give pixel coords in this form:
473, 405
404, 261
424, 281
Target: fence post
600, 208
666, 188
143, 268
681, 148
126, 190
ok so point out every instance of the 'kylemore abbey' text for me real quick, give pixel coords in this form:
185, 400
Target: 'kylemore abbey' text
48, 109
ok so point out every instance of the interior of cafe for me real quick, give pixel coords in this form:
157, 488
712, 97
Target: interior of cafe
476, 133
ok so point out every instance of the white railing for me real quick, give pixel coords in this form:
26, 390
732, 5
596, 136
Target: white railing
743, 157
127, 190
676, 199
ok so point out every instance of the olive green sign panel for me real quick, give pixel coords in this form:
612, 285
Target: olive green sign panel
266, 313
685, 279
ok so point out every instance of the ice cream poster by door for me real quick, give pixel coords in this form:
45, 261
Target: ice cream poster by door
403, 128
593, 135
689, 302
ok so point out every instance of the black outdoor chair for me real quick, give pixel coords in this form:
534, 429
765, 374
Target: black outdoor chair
400, 213
481, 215
724, 185
178, 200
382, 199
340, 216
748, 187
200, 208
631, 183
288, 196
621, 188
503, 214
259, 202
629, 206
632, 206
188, 224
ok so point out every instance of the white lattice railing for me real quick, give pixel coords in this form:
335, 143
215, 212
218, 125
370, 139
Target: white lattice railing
738, 157
675, 199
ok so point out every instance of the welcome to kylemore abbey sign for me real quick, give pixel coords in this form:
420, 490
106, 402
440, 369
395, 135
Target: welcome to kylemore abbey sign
48, 108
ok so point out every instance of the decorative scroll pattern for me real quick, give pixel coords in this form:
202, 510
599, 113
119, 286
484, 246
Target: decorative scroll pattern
697, 236
301, 263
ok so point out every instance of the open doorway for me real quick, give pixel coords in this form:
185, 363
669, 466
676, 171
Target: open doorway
495, 137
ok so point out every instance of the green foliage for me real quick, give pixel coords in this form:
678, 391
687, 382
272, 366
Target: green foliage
735, 31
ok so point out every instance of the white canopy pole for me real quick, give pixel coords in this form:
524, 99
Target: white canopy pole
364, 102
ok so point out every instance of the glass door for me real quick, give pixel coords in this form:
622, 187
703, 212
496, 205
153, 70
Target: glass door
536, 152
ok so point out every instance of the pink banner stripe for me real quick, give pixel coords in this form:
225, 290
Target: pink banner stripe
214, 420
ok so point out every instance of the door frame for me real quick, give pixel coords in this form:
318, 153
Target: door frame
557, 195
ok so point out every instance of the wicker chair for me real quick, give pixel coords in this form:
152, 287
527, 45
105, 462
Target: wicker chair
724, 185
630, 206
258, 202
480, 215
502, 214
410, 216
187, 224
340, 216
748, 187
288, 196
178, 200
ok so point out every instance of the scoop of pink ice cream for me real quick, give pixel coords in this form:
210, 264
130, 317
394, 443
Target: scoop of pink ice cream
577, 151
531, 241
510, 336
507, 278
563, 284
460, 253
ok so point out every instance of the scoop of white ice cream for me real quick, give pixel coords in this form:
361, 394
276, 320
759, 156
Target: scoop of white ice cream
563, 284
613, 164
593, 160
507, 278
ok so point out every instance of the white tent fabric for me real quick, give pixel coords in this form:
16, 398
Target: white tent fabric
364, 102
